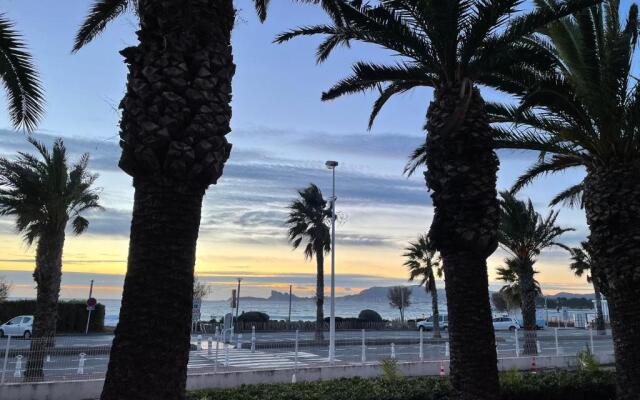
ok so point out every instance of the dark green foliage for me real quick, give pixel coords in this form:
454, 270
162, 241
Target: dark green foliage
253, 316
553, 385
577, 302
72, 315
369, 316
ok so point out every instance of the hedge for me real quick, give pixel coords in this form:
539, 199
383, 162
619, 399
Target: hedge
72, 315
554, 385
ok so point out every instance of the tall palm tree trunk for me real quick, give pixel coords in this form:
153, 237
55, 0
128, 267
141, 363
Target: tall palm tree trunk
319, 295
462, 168
434, 307
612, 204
528, 308
600, 323
47, 275
175, 116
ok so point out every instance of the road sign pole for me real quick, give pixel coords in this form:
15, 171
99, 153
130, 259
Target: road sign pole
86, 331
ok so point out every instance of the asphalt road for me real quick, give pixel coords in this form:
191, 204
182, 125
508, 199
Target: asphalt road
64, 362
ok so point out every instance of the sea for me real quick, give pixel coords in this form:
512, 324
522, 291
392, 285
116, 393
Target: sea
301, 310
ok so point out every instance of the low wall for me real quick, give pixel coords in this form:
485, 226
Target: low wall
90, 389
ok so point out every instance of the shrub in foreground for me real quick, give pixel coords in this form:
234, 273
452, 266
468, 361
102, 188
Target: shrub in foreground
551, 385
253, 316
369, 316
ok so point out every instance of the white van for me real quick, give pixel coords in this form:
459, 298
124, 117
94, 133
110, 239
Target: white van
18, 326
427, 324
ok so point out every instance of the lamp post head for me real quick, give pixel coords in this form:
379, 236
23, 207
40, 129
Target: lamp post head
331, 164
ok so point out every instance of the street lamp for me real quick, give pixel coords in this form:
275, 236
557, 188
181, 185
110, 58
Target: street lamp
332, 319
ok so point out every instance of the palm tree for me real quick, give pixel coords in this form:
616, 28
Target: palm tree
20, 79
422, 262
308, 222
453, 47
581, 264
44, 193
524, 233
511, 292
583, 112
176, 114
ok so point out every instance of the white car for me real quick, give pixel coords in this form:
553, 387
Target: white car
18, 326
505, 324
427, 324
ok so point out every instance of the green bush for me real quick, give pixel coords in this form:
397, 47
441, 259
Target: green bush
253, 316
72, 315
553, 385
369, 316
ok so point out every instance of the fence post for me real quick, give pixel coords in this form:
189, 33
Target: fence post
363, 357
215, 363
556, 337
538, 347
209, 345
18, 372
253, 339
295, 360
447, 350
81, 364
6, 359
226, 354
393, 351
199, 342
238, 340
421, 347
591, 340
515, 331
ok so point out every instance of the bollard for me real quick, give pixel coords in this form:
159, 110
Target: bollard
81, 364
421, 347
363, 356
238, 340
18, 373
557, 347
199, 342
295, 359
226, 355
215, 363
515, 331
442, 368
253, 339
447, 351
393, 351
209, 345
533, 364
538, 347
231, 335
591, 340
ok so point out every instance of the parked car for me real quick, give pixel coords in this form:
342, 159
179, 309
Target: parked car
18, 326
427, 324
505, 324
540, 323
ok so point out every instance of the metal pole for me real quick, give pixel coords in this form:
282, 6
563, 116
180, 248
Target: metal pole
332, 319
591, 340
86, 331
421, 350
364, 349
6, 359
290, 293
557, 347
515, 331
238, 303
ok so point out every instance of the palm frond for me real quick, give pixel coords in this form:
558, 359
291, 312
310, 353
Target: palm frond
101, 13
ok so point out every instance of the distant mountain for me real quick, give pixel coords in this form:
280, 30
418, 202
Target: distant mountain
572, 295
277, 296
378, 294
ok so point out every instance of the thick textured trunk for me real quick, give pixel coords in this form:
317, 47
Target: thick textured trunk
151, 345
612, 204
528, 307
175, 115
600, 323
461, 172
319, 295
47, 275
434, 307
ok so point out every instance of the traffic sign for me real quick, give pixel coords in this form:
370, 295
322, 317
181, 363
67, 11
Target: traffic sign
91, 303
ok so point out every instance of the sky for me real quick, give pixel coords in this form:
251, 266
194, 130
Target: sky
282, 135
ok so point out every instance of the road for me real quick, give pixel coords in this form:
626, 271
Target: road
276, 350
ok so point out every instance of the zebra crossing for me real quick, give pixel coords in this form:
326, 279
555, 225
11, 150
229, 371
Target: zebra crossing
230, 357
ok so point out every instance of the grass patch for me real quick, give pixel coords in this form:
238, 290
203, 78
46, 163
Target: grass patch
549, 385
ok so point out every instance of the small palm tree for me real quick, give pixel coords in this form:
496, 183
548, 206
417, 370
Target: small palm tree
512, 291
524, 234
44, 193
20, 79
582, 112
581, 264
308, 221
454, 47
424, 264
